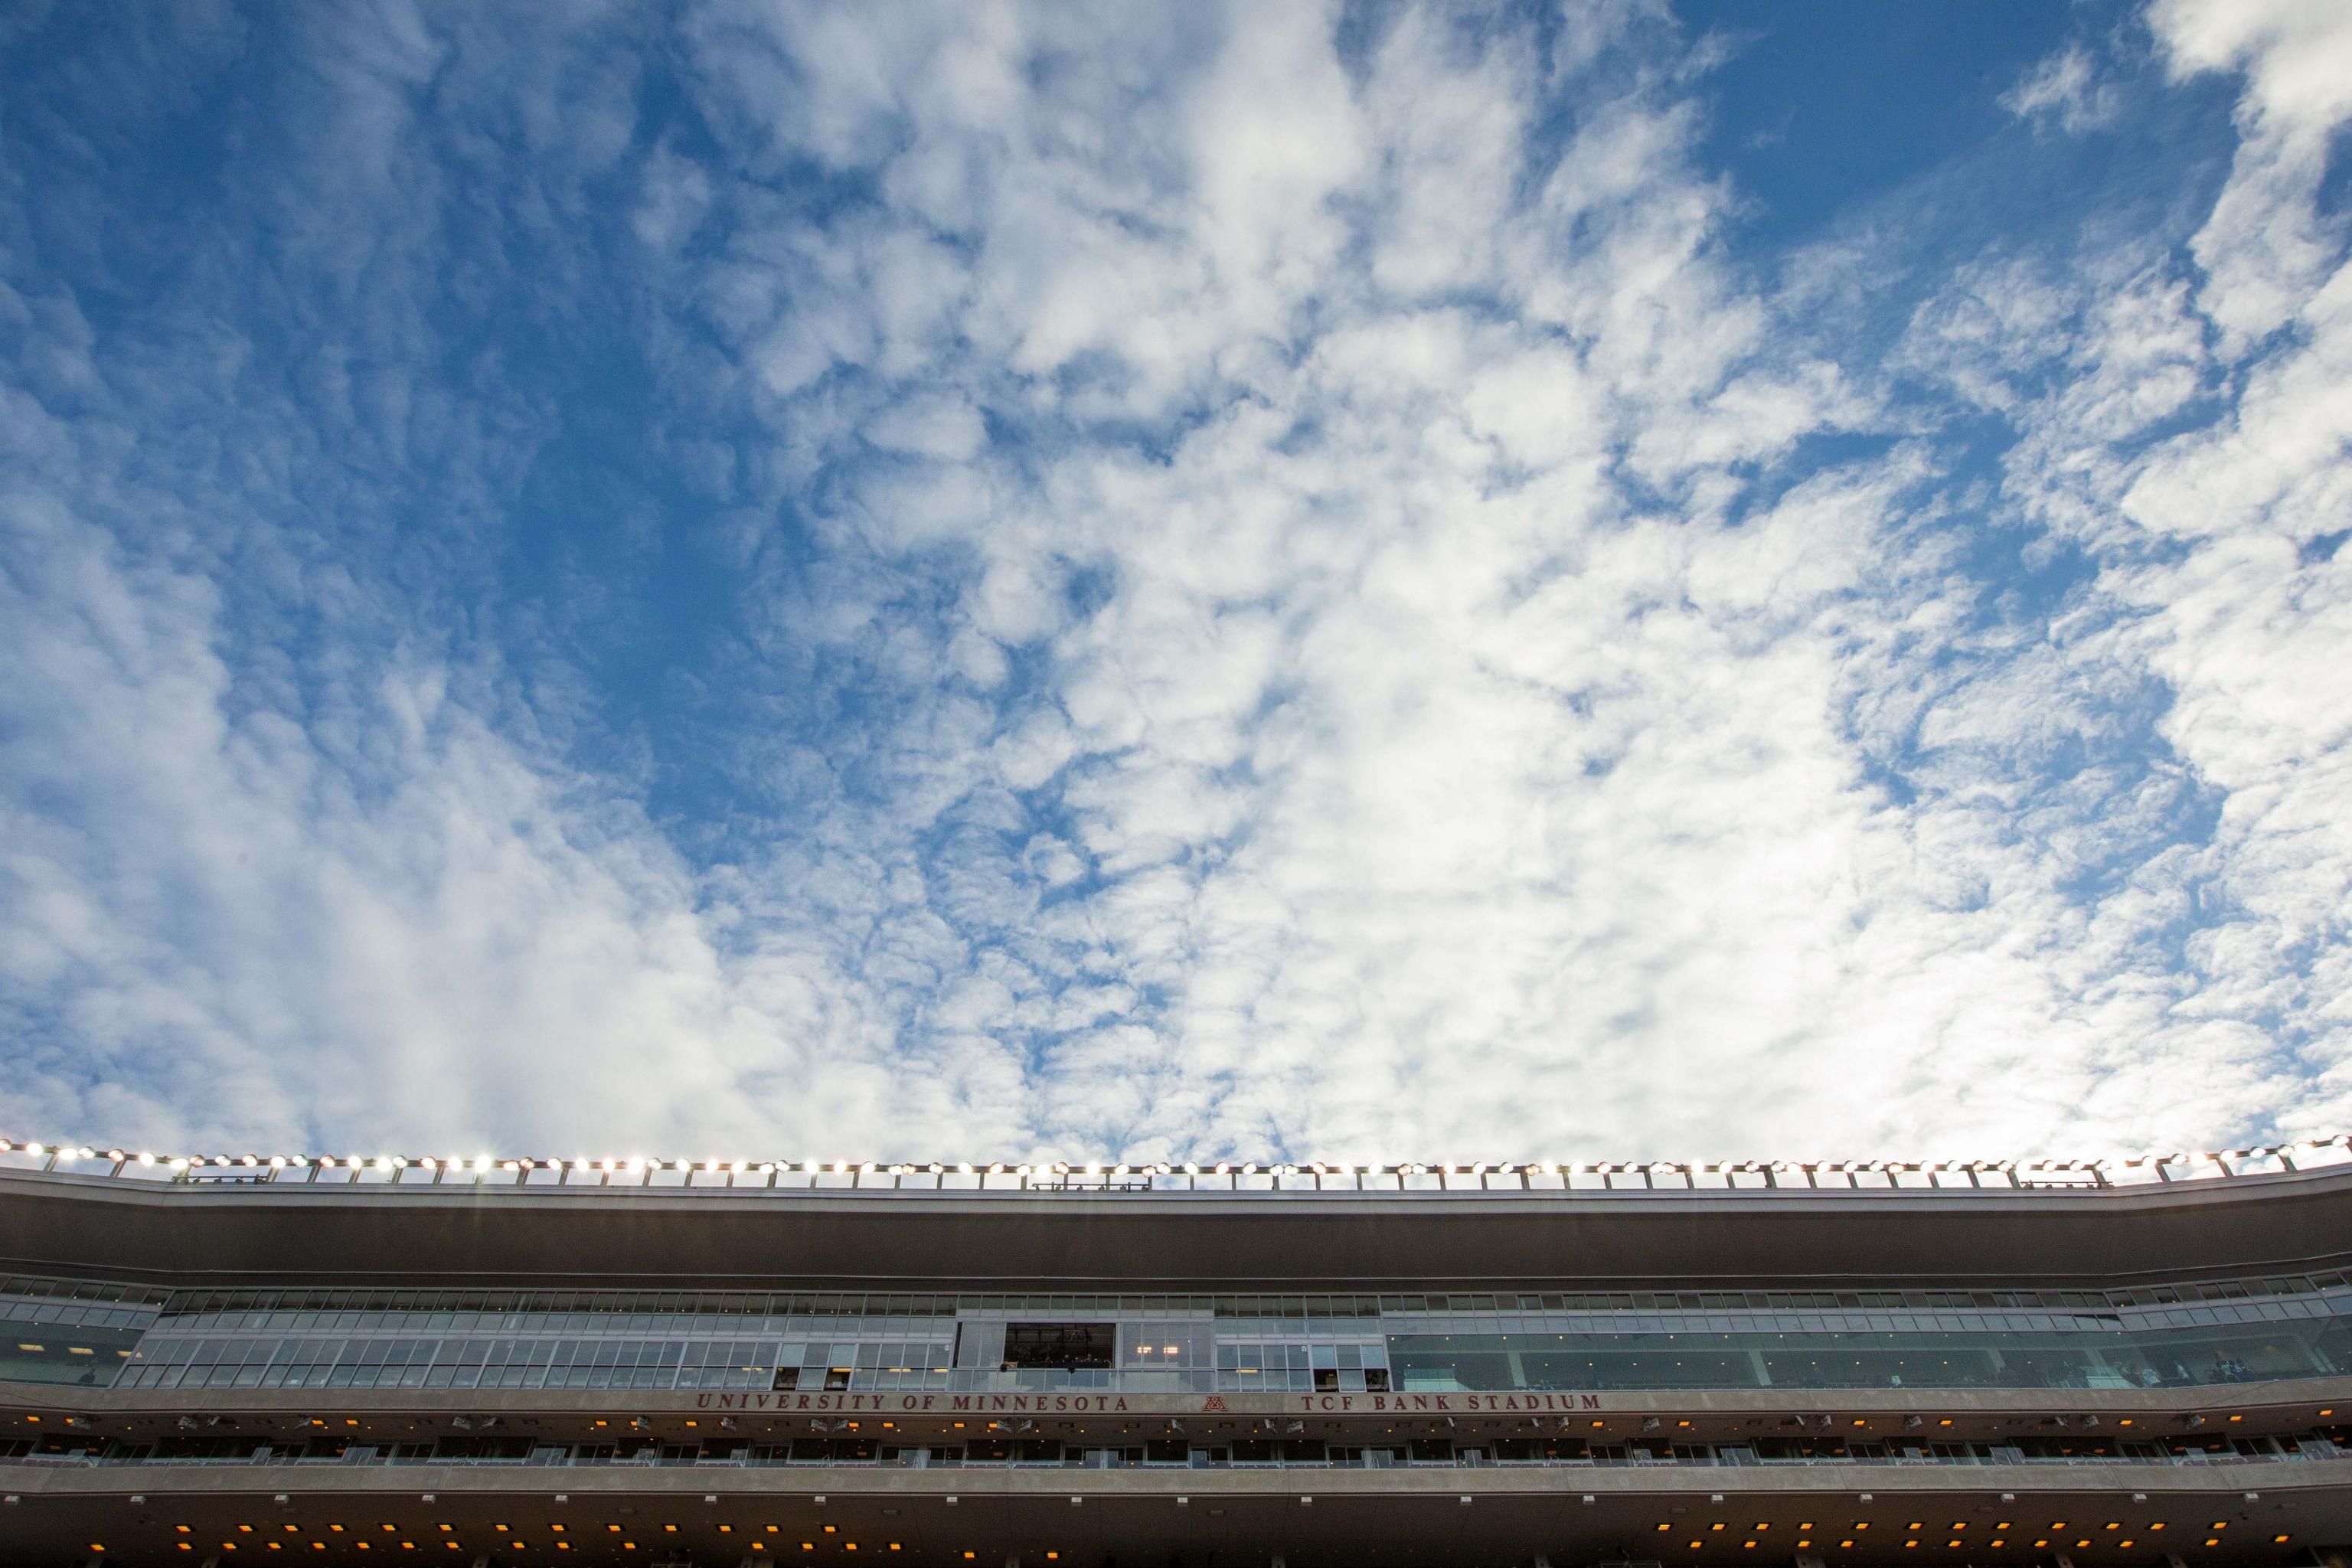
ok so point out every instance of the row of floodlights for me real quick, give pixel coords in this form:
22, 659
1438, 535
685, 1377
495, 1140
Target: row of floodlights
638, 1166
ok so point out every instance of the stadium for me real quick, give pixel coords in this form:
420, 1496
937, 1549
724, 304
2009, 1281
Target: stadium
219, 1360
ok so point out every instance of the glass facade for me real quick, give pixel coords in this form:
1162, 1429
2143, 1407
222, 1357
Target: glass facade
78, 1336
2215, 1332
1908, 1357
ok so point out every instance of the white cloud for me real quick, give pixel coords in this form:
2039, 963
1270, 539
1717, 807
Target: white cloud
2263, 248
1328, 640
2064, 88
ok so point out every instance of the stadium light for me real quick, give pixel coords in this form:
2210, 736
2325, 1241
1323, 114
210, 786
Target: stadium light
2199, 1165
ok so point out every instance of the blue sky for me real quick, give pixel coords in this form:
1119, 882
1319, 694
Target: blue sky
1358, 582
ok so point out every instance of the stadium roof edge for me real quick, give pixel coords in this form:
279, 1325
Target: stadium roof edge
183, 1234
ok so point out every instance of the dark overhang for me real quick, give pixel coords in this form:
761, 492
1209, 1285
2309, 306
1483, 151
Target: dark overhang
187, 1233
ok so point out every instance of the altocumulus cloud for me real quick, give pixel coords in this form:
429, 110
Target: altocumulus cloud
822, 580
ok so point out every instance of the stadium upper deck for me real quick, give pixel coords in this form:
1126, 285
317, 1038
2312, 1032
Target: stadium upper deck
645, 1362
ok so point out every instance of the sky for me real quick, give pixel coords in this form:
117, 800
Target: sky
1360, 581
